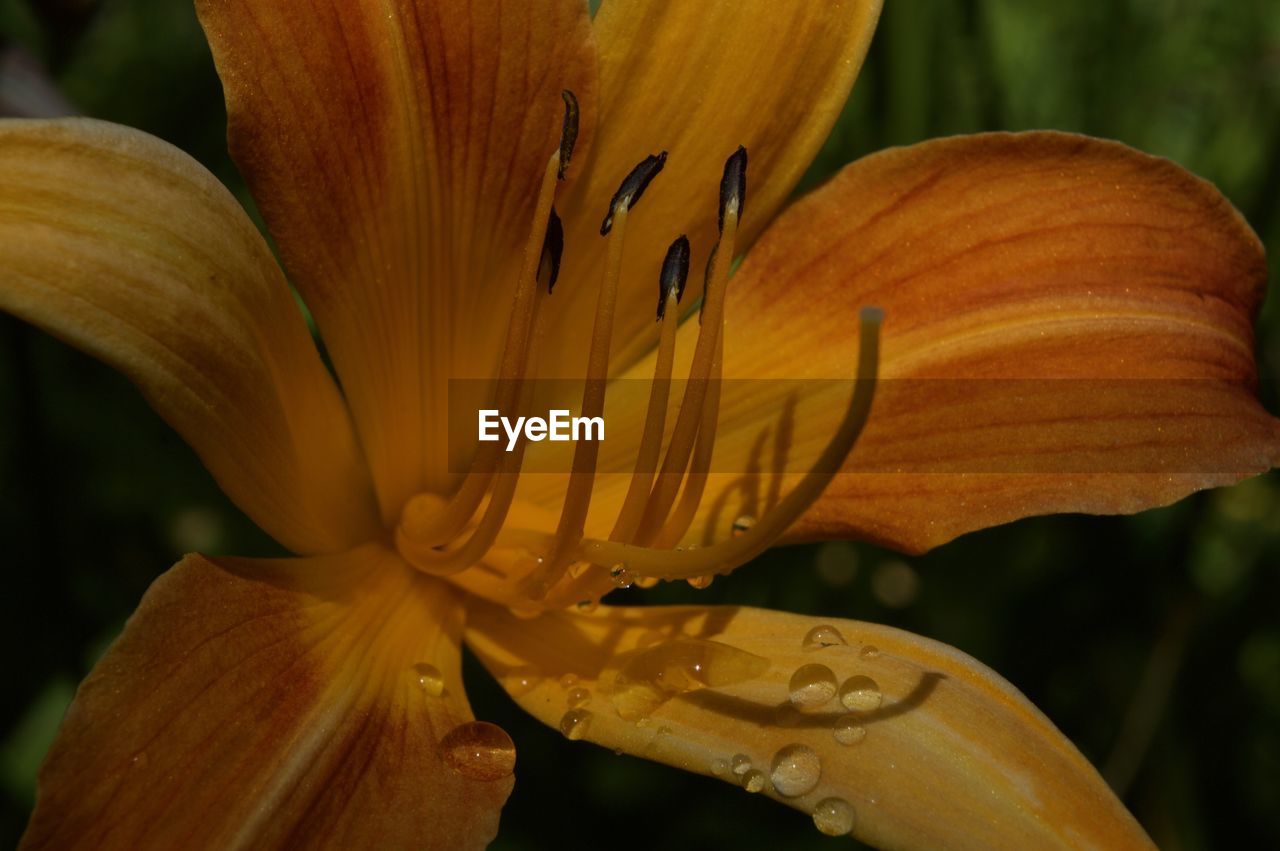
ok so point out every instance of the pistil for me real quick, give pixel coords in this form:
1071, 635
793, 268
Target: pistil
700, 561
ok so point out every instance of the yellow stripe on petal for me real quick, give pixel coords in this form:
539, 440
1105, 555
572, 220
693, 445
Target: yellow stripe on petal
128, 249
263, 704
902, 742
395, 150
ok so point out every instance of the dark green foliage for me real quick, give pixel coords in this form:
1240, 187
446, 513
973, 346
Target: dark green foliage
1152, 641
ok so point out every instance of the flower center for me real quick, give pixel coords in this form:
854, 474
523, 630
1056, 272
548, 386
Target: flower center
444, 537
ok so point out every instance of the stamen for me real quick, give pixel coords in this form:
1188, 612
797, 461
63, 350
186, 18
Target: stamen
431, 559
682, 564
696, 481
568, 131
552, 251
706, 278
633, 187
577, 501
675, 272
733, 185
682, 439
424, 520
693, 408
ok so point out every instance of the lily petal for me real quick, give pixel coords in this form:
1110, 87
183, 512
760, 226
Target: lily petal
1069, 327
698, 80
128, 249
395, 151
252, 702
937, 750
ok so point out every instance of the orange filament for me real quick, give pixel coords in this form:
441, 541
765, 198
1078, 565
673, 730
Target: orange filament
424, 520
700, 561
577, 501
655, 422
432, 559
682, 518
688, 420
428, 522
444, 537
593, 585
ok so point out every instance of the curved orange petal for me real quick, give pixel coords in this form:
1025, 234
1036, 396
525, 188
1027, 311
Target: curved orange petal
901, 741
697, 80
1068, 327
126, 248
258, 703
395, 151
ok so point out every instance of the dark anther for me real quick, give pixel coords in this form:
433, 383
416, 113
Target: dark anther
675, 272
568, 131
633, 187
552, 250
733, 185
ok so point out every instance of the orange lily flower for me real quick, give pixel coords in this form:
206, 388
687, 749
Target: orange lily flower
407, 158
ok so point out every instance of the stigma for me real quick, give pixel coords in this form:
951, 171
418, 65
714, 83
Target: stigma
454, 536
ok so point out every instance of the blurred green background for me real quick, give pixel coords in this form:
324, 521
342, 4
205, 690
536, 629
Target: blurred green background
1152, 641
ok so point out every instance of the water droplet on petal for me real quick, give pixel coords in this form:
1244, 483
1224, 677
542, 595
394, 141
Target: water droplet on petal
578, 697
429, 679
753, 781
700, 582
795, 770
833, 816
520, 681
860, 694
479, 750
575, 723
720, 767
869, 652
822, 635
848, 731
742, 525
741, 764
621, 576
812, 686
646, 581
